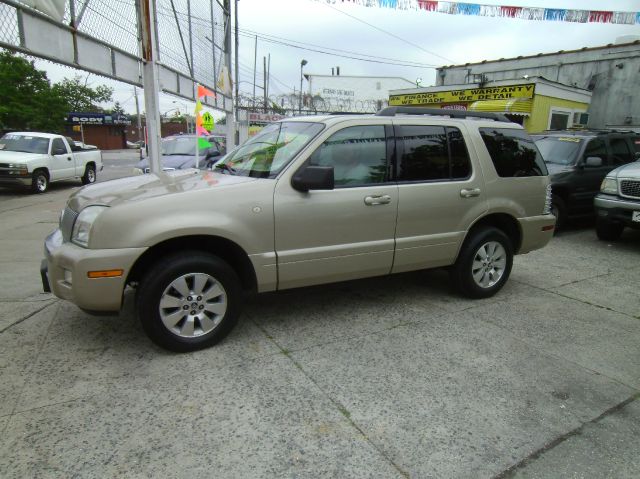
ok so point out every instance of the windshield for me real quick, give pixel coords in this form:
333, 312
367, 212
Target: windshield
179, 146
24, 143
267, 153
559, 150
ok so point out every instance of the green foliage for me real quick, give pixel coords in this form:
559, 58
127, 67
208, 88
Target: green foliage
26, 98
117, 109
28, 101
79, 96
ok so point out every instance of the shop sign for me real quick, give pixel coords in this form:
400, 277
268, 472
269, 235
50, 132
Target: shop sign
466, 95
97, 119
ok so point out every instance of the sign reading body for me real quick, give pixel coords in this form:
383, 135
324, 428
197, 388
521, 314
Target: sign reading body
467, 95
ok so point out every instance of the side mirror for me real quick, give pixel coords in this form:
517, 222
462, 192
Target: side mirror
313, 178
637, 155
593, 162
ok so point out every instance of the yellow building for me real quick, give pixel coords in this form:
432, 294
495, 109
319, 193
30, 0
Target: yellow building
536, 103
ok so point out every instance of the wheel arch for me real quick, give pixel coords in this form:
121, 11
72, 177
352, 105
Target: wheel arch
502, 221
225, 249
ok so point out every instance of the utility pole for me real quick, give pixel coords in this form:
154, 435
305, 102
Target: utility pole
264, 75
139, 122
255, 58
231, 122
268, 77
237, 77
147, 26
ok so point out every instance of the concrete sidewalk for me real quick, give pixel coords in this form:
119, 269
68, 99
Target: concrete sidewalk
385, 377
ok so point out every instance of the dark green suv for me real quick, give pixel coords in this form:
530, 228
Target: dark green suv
578, 161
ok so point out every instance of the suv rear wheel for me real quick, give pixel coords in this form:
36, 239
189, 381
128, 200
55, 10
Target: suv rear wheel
189, 301
484, 263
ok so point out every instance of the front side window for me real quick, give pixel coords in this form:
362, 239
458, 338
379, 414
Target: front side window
513, 152
596, 148
267, 153
57, 147
357, 154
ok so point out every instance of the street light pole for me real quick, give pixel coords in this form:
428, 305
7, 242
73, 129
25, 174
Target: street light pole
302, 64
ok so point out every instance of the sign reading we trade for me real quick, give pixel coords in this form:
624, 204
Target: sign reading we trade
470, 94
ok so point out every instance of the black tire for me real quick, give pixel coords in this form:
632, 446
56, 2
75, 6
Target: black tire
89, 175
462, 272
40, 181
607, 230
171, 270
559, 210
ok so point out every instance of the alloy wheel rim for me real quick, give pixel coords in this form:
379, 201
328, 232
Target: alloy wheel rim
91, 176
489, 264
193, 305
41, 183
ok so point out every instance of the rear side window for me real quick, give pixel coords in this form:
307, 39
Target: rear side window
432, 153
620, 152
513, 152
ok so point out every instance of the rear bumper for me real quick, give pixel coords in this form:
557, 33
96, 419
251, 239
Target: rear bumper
67, 268
615, 209
537, 231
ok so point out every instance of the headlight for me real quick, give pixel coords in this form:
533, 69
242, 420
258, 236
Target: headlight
609, 186
138, 171
548, 200
83, 224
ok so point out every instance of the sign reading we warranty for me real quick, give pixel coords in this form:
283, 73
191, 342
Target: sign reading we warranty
471, 94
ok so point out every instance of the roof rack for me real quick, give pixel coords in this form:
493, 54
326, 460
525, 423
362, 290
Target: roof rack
413, 110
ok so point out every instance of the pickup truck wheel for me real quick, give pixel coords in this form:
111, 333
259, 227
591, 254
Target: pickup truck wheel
189, 301
89, 175
484, 263
39, 181
608, 231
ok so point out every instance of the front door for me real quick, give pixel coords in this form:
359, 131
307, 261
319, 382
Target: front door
345, 233
62, 163
589, 178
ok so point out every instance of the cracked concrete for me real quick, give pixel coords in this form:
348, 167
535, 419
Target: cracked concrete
385, 377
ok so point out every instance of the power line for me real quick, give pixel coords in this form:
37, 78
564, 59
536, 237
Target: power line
388, 33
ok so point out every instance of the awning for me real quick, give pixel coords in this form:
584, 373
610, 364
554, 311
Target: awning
513, 106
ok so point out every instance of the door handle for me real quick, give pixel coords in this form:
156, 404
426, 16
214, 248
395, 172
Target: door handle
465, 193
377, 200
69, 158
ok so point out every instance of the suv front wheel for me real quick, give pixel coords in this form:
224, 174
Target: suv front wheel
189, 301
484, 263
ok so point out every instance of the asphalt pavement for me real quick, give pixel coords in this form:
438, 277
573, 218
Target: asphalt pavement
385, 377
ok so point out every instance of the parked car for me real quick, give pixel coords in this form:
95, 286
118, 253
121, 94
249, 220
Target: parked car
179, 153
80, 146
578, 161
307, 201
618, 203
36, 159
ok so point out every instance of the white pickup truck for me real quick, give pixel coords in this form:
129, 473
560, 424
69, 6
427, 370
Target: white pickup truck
36, 159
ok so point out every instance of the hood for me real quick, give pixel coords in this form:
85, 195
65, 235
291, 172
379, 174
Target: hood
143, 187
629, 170
555, 168
18, 156
173, 161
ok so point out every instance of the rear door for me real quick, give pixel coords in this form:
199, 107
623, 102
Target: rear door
344, 233
440, 193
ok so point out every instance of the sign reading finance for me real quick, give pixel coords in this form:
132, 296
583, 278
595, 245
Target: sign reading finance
470, 94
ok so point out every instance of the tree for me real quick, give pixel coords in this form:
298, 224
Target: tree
117, 109
27, 100
79, 96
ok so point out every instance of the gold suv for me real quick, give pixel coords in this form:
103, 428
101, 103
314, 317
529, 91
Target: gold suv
307, 201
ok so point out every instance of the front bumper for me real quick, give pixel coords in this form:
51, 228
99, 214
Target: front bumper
537, 231
615, 209
8, 181
68, 266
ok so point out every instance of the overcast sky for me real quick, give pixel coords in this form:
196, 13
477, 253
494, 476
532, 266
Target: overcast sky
438, 39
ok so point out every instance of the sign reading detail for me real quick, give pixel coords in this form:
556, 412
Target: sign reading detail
466, 95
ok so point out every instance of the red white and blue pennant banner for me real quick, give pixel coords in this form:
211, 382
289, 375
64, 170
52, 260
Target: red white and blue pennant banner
524, 13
